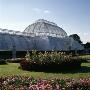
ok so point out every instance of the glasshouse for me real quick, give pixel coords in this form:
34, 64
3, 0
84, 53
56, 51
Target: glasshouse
42, 35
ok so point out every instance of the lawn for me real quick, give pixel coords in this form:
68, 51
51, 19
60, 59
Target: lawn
85, 57
12, 69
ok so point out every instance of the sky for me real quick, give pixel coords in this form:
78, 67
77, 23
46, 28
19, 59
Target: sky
71, 15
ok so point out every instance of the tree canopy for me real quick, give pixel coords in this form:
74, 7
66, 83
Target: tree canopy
76, 38
87, 45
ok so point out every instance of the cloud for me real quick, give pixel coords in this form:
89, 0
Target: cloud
40, 11
85, 33
84, 36
47, 11
37, 10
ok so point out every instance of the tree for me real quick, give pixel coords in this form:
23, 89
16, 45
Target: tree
87, 45
76, 38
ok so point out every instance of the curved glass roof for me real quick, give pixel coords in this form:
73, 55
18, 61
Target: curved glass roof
43, 27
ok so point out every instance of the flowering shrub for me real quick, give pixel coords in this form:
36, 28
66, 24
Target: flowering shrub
49, 61
29, 83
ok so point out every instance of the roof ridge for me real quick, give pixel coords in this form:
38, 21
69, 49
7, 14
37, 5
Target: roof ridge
43, 20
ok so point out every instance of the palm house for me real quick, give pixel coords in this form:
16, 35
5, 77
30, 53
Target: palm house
42, 35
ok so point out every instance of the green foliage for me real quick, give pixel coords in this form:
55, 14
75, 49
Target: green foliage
28, 56
49, 57
12, 69
29, 83
50, 60
87, 45
76, 37
2, 61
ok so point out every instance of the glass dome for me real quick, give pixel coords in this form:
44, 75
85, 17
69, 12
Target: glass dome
43, 27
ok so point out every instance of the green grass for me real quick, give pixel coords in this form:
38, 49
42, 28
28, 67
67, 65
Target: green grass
12, 69
85, 57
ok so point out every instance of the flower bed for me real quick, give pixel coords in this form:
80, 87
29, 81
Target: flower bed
50, 61
29, 83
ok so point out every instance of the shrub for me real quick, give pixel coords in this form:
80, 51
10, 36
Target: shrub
25, 65
50, 60
2, 61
